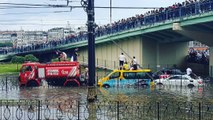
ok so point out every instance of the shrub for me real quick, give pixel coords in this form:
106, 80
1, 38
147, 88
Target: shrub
17, 59
31, 58
20, 59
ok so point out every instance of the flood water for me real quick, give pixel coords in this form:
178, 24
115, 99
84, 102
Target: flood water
9, 89
170, 95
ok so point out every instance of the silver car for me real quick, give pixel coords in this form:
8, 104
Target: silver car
180, 80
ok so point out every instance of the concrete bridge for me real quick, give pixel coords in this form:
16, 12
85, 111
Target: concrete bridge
153, 44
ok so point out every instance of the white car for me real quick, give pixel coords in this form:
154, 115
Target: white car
180, 80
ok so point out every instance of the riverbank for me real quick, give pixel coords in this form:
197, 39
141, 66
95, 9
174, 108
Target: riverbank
6, 68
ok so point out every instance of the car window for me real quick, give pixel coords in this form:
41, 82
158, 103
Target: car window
176, 72
140, 75
143, 75
115, 75
185, 78
176, 77
129, 75
26, 68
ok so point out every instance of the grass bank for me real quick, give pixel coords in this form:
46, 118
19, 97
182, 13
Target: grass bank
9, 68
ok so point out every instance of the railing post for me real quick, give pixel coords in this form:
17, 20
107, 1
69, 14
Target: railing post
196, 8
199, 111
167, 15
117, 110
180, 13
39, 109
158, 110
78, 110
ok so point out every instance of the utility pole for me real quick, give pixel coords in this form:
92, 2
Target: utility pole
110, 11
92, 95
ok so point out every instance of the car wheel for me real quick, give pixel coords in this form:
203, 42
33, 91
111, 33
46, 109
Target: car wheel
190, 85
106, 86
32, 83
159, 85
144, 85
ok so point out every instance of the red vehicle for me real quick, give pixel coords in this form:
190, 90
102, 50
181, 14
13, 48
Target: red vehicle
55, 73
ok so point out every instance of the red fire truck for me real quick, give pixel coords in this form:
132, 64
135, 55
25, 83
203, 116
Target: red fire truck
55, 73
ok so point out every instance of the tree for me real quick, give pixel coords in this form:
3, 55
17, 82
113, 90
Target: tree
31, 58
17, 59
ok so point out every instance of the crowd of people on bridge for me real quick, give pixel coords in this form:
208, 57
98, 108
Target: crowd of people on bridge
198, 56
177, 10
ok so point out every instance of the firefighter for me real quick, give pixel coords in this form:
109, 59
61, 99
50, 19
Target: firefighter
61, 55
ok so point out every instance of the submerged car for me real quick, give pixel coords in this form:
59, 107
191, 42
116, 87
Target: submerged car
166, 72
122, 78
180, 80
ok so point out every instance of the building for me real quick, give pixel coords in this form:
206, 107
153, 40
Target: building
7, 36
28, 38
56, 34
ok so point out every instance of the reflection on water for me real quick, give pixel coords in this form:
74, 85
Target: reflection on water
11, 90
52, 93
165, 92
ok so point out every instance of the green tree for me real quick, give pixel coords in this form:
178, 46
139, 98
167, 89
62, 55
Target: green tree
17, 59
31, 58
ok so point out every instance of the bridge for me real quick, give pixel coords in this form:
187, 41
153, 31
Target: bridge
159, 39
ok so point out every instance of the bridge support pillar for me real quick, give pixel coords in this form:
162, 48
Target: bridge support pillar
170, 54
161, 55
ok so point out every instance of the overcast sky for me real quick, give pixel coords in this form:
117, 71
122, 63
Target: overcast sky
45, 18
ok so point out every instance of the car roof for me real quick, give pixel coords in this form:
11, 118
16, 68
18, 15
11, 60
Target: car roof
139, 70
180, 76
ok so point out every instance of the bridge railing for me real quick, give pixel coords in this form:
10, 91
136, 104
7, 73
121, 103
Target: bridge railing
155, 16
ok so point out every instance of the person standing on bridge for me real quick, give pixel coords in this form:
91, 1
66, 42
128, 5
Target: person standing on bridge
121, 60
